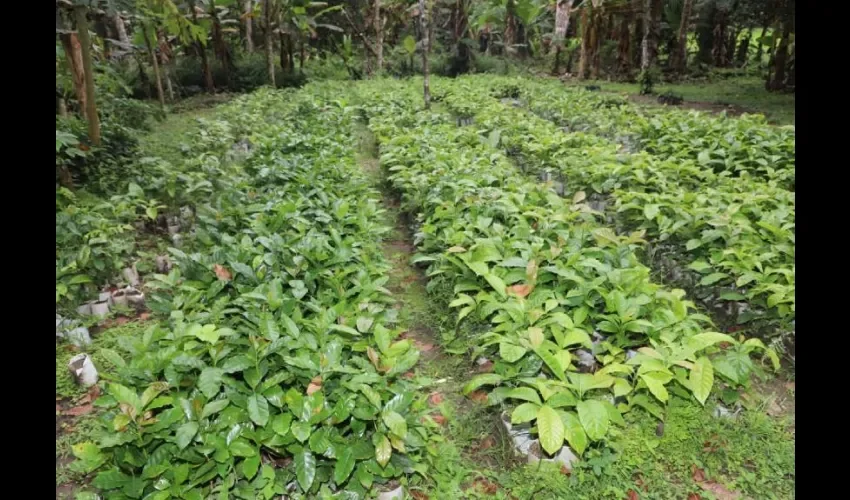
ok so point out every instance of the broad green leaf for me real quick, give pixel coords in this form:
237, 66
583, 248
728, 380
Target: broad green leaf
712, 278
497, 284
258, 409
210, 381
655, 385
550, 429
511, 352
301, 430
574, 432
482, 379
524, 394
214, 407
523, 413
702, 340
594, 418
250, 466
185, 433
396, 424
344, 465
305, 468
124, 394
383, 450
702, 379
552, 362
281, 423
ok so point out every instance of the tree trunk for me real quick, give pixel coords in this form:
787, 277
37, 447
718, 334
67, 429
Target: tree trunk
680, 59
88, 68
159, 93
248, 10
780, 59
284, 59
267, 40
121, 30
74, 56
624, 48
651, 30
562, 23
220, 48
205, 62
301, 56
509, 39
637, 41
426, 47
741, 57
760, 50
379, 37
584, 49
61, 107
718, 49
594, 44
165, 61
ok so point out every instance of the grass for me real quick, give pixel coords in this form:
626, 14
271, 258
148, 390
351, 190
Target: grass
747, 93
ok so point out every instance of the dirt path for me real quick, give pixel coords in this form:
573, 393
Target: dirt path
475, 447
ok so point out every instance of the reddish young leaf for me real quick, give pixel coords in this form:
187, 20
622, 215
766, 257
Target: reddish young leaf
520, 291
222, 273
632, 495
439, 419
694, 496
435, 398
479, 396
315, 385
697, 474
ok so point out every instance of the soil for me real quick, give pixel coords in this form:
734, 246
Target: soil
711, 107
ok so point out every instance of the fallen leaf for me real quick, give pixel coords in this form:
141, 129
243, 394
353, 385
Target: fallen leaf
487, 443
520, 291
418, 495
78, 411
719, 491
566, 470
694, 496
697, 474
435, 398
122, 320
632, 495
315, 385
486, 367
144, 316
373, 356
222, 273
439, 419
485, 486
408, 375
479, 396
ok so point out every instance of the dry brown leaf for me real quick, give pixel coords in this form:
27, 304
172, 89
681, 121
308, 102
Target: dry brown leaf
78, 411
486, 367
315, 385
485, 486
719, 491
694, 496
435, 398
566, 470
487, 443
144, 316
479, 396
418, 495
632, 495
373, 356
222, 273
697, 474
122, 320
520, 291
439, 419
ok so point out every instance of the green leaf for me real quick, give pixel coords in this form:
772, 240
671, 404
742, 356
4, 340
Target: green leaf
281, 423
511, 352
242, 448
650, 211
550, 429
110, 479
482, 379
305, 468
207, 333
185, 433
497, 284
344, 465
524, 394
712, 278
214, 407
655, 385
301, 430
396, 424
576, 336
692, 244
123, 394
552, 362
574, 432
210, 381
702, 340
250, 466
383, 450
702, 379
594, 418
258, 409
523, 413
